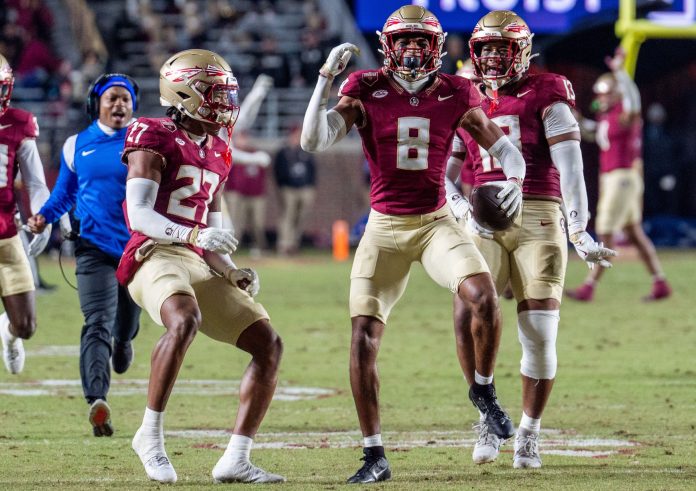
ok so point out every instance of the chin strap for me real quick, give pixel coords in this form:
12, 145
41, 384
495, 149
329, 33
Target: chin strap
227, 155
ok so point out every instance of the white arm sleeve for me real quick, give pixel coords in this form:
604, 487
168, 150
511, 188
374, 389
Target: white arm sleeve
453, 175
32, 174
251, 105
559, 120
242, 157
509, 157
567, 158
630, 95
141, 195
321, 129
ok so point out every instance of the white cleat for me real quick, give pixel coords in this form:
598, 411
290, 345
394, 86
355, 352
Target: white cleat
154, 458
526, 450
242, 471
12, 347
487, 446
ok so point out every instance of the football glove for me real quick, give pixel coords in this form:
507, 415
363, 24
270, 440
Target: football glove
459, 205
214, 239
511, 194
245, 278
590, 251
479, 230
338, 59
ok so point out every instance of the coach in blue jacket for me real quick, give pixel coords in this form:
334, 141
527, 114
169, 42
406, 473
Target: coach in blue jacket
93, 179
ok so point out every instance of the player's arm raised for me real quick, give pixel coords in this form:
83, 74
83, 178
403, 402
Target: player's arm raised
144, 176
563, 136
491, 137
322, 128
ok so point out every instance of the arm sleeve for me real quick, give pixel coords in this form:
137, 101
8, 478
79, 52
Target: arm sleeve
32, 173
509, 157
559, 120
251, 104
630, 95
320, 128
452, 175
141, 195
64, 193
567, 158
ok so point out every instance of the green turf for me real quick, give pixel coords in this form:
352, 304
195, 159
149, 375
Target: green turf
625, 372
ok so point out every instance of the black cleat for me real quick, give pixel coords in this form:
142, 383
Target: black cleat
498, 421
375, 469
122, 356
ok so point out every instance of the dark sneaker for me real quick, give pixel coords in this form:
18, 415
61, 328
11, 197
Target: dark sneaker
100, 418
121, 356
485, 400
375, 469
660, 290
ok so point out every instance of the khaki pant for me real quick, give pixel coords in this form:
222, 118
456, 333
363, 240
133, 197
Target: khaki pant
532, 254
297, 203
620, 200
244, 209
390, 245
226, 309
15, 272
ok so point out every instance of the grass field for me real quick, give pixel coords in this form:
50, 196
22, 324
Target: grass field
621, 415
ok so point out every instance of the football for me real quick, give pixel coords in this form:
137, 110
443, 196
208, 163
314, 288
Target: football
486, 208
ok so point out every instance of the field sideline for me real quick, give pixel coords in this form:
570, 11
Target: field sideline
621, 415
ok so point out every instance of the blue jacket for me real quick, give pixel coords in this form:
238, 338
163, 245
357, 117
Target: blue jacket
93, 177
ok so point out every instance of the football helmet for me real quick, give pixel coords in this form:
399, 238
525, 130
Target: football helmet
606, 91
605, 84
201, 85
502, 25
412, 64
6, 83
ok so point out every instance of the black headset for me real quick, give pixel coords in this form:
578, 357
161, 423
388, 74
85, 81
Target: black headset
92, 103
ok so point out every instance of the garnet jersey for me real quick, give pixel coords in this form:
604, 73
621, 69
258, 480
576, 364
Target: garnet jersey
407, 137
191, 175
619, 144
16, 126
519, 113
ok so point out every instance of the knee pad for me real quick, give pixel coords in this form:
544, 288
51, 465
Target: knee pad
537, 330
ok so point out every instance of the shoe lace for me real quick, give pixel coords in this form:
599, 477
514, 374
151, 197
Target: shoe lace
484, 436
529, 445
158, 461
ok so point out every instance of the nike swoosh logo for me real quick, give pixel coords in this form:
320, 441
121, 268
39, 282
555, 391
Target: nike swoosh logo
440, 98
88, 152
3, 126
522, 94
437, 218
544, 224
377, 475
217, 154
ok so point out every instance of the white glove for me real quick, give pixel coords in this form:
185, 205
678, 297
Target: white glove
261, 158
590, 251
338, 59
479, 230
459, 205
511, 194
263, 84
244, 278
214, 239
39, 242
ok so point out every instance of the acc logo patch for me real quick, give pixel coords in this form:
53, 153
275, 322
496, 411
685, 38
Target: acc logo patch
168, 124
380, 93
180, 141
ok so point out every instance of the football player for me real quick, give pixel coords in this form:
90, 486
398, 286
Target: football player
407, 113
177, 265
618, 132
534, 111
18, 152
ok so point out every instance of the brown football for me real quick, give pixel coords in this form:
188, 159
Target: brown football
486, 208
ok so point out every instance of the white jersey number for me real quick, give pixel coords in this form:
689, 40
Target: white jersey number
136, 132
198, 178
510, 124
4, 162
413, 137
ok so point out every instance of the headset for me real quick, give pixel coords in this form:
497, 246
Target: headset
92, 103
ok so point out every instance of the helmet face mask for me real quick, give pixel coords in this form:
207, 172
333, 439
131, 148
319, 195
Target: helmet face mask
6, 83
508, 34
412, 41
200, 84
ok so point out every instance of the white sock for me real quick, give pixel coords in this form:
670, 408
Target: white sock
373, 441
153, 422
239, 448
530, 424
481, 380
